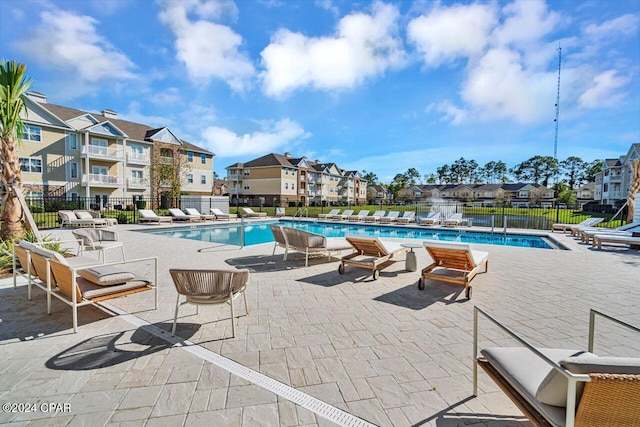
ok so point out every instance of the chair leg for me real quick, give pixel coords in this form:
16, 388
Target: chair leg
233, 320
175, 316
124, 257
306, 258
274, 248
246, 306
75, 318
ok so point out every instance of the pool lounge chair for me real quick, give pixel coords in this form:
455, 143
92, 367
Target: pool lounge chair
453, 220
331, 213
177, 214
586, 234
453, 263
360, 216
375, 217
369, 253
615, 239
432, 218
407, 217
250, 213
343, 216
565, 227
147, 215
196, 212
562, 387
91, 214
391, 216
280, 212
576, 229
311, 244
221, 215
69, 218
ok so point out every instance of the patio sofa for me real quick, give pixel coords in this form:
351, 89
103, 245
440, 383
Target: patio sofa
310, 244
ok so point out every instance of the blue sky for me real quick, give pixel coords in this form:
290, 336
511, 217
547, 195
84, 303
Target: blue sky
379, 86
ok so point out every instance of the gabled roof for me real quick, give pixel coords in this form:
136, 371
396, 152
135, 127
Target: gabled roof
271, 159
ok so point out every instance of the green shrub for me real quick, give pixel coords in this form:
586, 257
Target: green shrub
58, 205
141, 204
36, 208
122, 218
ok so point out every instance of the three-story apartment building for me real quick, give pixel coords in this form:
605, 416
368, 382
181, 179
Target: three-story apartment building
73, 153
614, 181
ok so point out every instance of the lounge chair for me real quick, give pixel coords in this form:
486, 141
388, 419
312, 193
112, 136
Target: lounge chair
391, 216
147, 215
360, 216
69, 218
407, 217
369, 253
586, 234
280, 212
331, 214
178, 215
221, 215
453, 220
599, 239
562, 387
453, 263
99, 240
576, 229
564, 226
311, 244
432, 218
278, 237
343, 216
196, 212
375, 217
91, 214
250, 213
210, 287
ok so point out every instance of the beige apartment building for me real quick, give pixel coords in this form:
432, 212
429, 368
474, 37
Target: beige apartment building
78, 154
280, 179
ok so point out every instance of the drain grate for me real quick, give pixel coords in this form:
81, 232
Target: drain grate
304, 400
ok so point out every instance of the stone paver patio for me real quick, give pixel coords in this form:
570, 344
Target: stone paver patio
382, 350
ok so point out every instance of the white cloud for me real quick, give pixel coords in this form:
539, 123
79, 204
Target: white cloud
272, 136
364, 46
208, 50
450, 32
527, 21
70, 42
604, 90
625, 25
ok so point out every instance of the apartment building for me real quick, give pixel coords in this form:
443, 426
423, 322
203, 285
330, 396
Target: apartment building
280, 179
72, 153
613, 183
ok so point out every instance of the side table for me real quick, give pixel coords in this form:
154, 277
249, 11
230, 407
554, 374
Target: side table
411, 263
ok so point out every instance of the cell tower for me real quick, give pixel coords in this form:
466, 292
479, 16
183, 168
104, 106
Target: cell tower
557, 119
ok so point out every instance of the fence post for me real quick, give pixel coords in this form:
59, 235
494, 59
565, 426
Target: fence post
241, 232
557, 213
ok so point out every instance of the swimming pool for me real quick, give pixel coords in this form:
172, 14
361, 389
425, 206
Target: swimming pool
256, 233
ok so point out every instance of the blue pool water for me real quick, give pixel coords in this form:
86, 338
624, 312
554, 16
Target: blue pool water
256, 233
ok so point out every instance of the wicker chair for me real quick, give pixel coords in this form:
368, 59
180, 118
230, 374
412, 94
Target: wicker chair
94, 239
210, 287
278, 236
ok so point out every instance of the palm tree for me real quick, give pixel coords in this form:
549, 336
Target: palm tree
13, 88
634, 188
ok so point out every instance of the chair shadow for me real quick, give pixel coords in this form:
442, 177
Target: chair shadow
351, 275
271, 263
434, 292
111, 349
450, 417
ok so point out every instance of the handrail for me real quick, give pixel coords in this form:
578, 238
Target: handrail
592, 325
300, 212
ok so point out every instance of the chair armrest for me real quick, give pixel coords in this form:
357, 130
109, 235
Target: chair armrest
108, 236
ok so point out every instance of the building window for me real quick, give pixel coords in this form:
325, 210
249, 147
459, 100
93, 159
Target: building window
203, 179
137, 176
30, 164
190, 178
293, 186
203, 159
246, 172
32, 133
73, 170
190, 157
246, 186
286, 185
72, 139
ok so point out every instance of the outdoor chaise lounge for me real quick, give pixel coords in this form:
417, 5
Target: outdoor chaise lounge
375, 217
577, 229
453, 220
391, 216
69, 218
311, 244
343, 216
599, 239
210, 287
331, 213
407, 217
280, 212
221, 215
196, 212
360, 216
566, 227
586, 234
369, 253
93, 239
147, 215
178, 215
432, 218
250, 213
562, 387
453, 262
91, 214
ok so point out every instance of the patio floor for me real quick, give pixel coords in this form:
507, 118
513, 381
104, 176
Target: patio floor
363, 351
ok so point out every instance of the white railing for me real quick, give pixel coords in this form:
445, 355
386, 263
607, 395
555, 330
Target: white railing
136, 182
98, 179
99, 151
137, 158
234, 177
165, 160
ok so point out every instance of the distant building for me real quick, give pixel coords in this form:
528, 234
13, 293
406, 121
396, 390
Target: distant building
515, 194
613, 183
377, 194
585, 193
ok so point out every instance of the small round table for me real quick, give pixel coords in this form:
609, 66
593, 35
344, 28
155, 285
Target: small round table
411, 264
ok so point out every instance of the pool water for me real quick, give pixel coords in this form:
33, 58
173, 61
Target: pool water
256, 233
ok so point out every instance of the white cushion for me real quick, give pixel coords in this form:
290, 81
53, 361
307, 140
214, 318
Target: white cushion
553, 388
106, 276
83, 215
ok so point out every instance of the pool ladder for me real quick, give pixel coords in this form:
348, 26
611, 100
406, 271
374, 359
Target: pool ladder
504, 220
301, 212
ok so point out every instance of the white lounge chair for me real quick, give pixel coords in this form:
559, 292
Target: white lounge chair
331, 214
360, 216
343, 216
453, 220
375, 217
147, 215
250, 213
369, 252
221, 215
599, 239
576, 229
432, 218
196, 212
407, 217
391, 216
177, 214
280, 212
587, 234
71, 219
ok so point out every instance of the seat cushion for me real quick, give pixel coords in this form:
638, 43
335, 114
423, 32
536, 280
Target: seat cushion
90, 290
83, 215
106, 276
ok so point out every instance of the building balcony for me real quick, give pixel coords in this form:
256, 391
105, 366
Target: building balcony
137, 182
302, 192
615, 195
165, 160
138, 158
614, 178
103, 153
106, 181
234, 177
